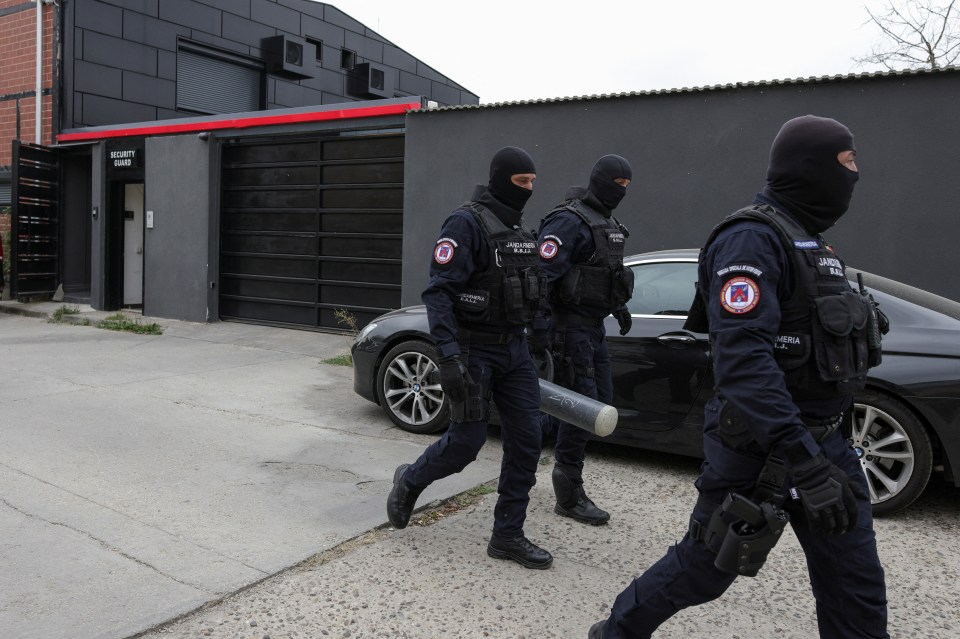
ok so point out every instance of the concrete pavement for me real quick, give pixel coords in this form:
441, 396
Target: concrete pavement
221, 481
142, 476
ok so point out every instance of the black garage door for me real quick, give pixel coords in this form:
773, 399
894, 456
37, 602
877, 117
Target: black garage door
310, 229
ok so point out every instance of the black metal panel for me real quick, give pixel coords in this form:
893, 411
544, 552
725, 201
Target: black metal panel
310, 227
209, 85
35, 236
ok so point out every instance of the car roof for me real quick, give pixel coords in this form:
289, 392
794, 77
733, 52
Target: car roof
687, 254
902, 291
912, 294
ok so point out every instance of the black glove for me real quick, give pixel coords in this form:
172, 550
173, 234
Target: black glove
453, 379
539, 342
624, 319
827, 495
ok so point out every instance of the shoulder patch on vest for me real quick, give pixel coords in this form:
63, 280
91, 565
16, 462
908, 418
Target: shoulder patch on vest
739, 295
549, 249
443, 252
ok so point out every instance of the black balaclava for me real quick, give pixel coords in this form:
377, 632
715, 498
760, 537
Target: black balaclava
506, 163
602, 185
804, 174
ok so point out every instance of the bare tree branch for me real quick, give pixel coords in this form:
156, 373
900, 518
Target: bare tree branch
916, 33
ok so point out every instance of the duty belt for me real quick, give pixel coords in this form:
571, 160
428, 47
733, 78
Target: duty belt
569, 319
822, 427
484, 337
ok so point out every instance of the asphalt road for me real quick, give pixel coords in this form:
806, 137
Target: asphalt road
222, 481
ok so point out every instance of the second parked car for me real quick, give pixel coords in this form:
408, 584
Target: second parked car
907, 420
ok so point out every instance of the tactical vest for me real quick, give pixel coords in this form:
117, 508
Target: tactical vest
822, 342
509, 291
602, 282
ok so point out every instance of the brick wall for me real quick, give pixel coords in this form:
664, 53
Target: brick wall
18, 37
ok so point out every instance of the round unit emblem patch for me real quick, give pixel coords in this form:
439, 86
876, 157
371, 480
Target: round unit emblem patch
443, 253
739, 295
548, 250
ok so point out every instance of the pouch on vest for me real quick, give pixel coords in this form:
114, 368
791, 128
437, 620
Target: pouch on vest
532, 282
513, 296
840, 343
595, 286
791, 350
622, 288
472, 304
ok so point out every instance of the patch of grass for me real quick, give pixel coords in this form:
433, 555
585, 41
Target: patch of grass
340, 360
57, 316
452, 505
120, 322
348, 320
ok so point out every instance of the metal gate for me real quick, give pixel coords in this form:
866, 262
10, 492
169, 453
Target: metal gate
311, 230
35, 223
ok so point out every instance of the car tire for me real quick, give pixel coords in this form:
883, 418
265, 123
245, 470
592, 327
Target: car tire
408, 388
894, 450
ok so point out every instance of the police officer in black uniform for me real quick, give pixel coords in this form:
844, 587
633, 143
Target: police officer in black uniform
485, 287
791, 342
581, 255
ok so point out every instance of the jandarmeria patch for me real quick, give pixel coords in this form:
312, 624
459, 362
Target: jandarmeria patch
739, 295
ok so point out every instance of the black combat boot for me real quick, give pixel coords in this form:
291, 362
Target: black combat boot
402, 499
573, 502
596, 630
521, 550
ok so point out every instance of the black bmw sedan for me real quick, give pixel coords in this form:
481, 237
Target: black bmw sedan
907, 420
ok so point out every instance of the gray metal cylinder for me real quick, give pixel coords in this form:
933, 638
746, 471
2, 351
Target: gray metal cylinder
576, 409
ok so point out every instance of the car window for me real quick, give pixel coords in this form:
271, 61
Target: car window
663, 288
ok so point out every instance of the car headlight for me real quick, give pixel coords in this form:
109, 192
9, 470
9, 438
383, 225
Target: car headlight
362, 335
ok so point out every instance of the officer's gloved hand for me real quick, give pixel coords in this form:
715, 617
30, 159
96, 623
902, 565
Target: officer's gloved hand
828, 497
539, 342
453, 378
624, 319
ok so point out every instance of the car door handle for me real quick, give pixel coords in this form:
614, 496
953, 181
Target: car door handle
676, 339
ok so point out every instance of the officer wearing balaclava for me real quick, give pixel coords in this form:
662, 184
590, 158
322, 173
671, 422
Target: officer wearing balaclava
483, 291
581, 255
789, 348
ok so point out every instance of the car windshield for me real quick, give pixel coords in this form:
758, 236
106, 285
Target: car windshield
663, 288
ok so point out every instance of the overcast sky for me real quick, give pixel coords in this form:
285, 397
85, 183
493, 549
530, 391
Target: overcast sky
505, 50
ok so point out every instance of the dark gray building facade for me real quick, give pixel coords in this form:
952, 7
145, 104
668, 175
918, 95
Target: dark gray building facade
698, 154
144, 60
236, 159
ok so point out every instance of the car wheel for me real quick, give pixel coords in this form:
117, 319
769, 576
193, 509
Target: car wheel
409, 388
894, 451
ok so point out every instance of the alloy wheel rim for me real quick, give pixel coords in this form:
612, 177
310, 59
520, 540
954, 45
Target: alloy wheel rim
885, 452
408, 390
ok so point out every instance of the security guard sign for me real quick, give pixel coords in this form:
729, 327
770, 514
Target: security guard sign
739, 295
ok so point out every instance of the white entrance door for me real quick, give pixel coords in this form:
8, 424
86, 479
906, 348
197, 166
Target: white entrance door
133, 244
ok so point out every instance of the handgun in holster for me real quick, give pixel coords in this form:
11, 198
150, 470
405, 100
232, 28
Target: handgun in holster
471, 408
742, 533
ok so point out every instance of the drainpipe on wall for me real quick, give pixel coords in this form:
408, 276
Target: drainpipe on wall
39, 104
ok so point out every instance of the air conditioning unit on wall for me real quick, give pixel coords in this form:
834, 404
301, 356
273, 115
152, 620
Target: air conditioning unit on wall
290, 56
371, 80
